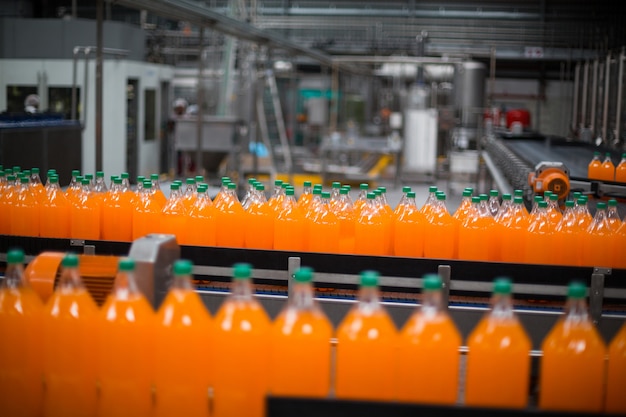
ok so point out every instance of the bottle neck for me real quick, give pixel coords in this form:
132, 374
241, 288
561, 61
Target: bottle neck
70, 279
182, 282
125, 285
576, 310
501, 306
432, 303
241, 289
13, 276
369, 300
302, 296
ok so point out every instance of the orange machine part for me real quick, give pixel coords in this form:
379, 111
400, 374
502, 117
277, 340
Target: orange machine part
97, 272
552, 179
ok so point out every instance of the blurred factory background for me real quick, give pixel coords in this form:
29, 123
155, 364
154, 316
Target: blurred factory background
400, 90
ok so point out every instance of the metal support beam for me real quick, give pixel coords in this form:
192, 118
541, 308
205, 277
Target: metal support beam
99, 81
200, 104
605, 109
575, 106
620, 87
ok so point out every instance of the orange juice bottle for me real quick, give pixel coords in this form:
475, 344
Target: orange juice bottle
473, 235
200, 221
117, 213
229, 220
125, 344
69, 345
182, 373
21, 365
25, 211
597, 239
54, 213
427, 359
567, 238
306, 196
440, 228
241, 332
582, 213
430, 200
612, 215
289, 225
409, 229
300, 344
366, 346
540, 237
498, 362
259, 218
505, 209
369, 229
615, 400
464, 208
189, 194
173, 218
361, 200
554, 212
571, 375
6, 203
250, 191
275, 200
594, 169
85, 214
156, 190
402, 203
494, 202
147, 212
620, 171
514, 233
307, 213
324, 228
619, 260
345, 213
607, 169
36, 186
385, 208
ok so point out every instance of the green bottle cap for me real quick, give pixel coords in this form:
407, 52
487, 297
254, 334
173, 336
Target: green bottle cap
85, 181
15, 256
231, 185
17, 169
99, 174
612, 203
406, 189
199, 178
290, 191
336, 184
607, 154
344, 191
183, 267
576, 290
304, 274
371, 196
278, 183
581, 201
467, 193
597, 153
190, 181
89, 176
54, 179
34, 170
547, 193
317, 191
126, 265
476, 199
484, 197
307, 184
554, 197
601, 205
410, 194
542, 204
518, 192
441, 197
470, 189
369, 278
242, 271
174, 186
382, 189
117, 180
125, 175
570, 203
377, 193
26, 173
70, 260
432, 189
347, 187
502, 285
259, 187
24, 180
538, 198
326, 194
225, 181
577, 195
585, 197
506, 197
147, 184
493, 193
285, 185
432, 282
364, 186
202, 188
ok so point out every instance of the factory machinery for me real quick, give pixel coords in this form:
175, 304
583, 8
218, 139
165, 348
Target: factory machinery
539, 289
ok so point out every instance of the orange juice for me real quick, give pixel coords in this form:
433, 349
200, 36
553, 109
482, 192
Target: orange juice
597, 239
540, 237
607, 169
615, 401
6, 202
427, 359
277, 197
36, 186
200, 222
188, 194
612, 216
324, 228
289, 225
21, 388
366, 347
439, 232
385, 209
157, 193
69, 346
513, 232
117, 213
583, 216
229, 220
370, 229
24, 211
474, 235
620, 171
498, 361
594, 169
409, 229
554, 212
306, 196
300, 344
346, 216
259, 225
430, 201
173, 219
85, 215
572, 367
147, 212
241, 333
361, 200
619, 260
567, 238
54, 215
182, 372
125, 344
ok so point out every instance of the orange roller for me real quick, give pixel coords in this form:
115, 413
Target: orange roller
41, 273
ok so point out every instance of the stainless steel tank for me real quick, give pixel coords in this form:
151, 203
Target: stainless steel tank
469, 88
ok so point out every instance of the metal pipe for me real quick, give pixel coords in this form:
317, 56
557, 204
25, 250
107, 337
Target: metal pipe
99, 81
605, 111
620, 86
575, 106
200, 103
583, 109
492, 76
594, 98
85, 88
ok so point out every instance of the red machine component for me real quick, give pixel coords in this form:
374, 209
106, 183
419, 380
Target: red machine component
521, 116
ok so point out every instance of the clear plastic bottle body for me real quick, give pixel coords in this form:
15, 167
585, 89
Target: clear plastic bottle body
173, 218
147, 213
54, 214
539, 237
259, 231
615, 401
568, 239
594, 169
117, 213
369, 230
324, 228
409, 229
620, 170
289, 226
25, 210
597, 238
200, 222
229, 220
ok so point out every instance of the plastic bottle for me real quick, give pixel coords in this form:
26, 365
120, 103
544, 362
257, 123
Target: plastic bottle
594, 169
345, 213
540, 237
334, 190
306, 196
242, 329
620, 171
301, 335
21, 365
69, 319
147, 213
505, 210
369, 230
513, 233
249, 192
117, 213
597, 239
54, 214
289, 225
572, 373
366, 347
615, 400
125, 181
324, 228
498, 361
189, 193
183, 348
439, 232
430, 200
25, 209
173, 218
474, 241
275, 200
126, 361
157, 193
259, 228
6, 203
223, 191
567, 239
619, 260
612, 215
140, 182
428, 351
200, 221
583, 216
36, 186
493, 202
607, 170
409, 229
361, 200
554, 212
229, 220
